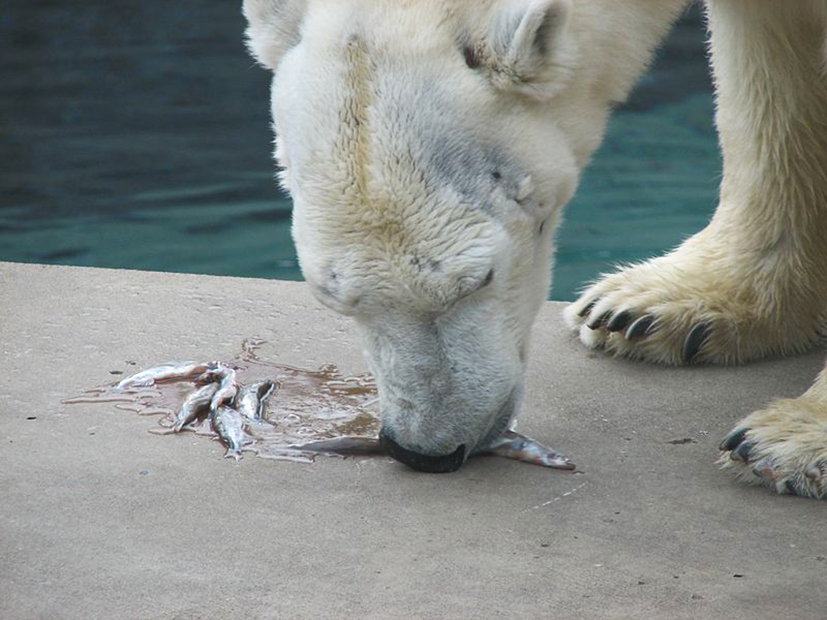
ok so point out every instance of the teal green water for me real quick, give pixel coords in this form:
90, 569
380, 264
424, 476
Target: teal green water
137, 136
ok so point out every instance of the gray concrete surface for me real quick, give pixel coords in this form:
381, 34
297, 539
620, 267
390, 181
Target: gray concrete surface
649, 530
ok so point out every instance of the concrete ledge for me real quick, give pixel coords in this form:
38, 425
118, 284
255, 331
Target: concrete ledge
101, 519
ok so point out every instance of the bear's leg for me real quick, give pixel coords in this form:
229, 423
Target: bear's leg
754, 281
785, 445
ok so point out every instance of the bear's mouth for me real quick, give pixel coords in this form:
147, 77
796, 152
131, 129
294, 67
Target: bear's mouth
501, 422
426, 463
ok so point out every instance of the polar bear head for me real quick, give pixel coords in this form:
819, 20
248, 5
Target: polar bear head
427, 173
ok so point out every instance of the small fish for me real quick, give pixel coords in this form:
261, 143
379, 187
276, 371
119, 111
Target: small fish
229, 425
521, 448
195, 403
227, 387
343, 445
171, 371
251, 399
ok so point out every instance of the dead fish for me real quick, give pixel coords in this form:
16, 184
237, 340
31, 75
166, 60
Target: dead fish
521, 448
195, 403
251, 399
229, 425
171, 371
212, 375
343, 445
227, 387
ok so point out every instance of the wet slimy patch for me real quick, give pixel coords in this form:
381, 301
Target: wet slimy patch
306, 406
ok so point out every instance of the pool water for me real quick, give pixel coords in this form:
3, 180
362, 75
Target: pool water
137, 135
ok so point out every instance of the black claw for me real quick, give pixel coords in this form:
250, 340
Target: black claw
588, 307
791, 488
758, 471
694, 341
742, 452
599, 321
619, 321
732, 440
641, 328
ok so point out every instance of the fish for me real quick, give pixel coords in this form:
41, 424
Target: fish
229, 425
343, 446
195, 403
171, 371
211, 375
227, 387
251, 399
511, 445
521, 448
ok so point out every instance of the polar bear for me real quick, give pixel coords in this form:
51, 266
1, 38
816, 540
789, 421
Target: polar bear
430, 146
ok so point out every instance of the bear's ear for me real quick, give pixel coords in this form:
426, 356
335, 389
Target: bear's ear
273, 27
531, 47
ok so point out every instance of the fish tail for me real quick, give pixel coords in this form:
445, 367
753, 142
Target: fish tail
234, 453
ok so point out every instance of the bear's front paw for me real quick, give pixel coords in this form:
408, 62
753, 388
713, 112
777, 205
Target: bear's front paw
695, 305
783, 447
638, 313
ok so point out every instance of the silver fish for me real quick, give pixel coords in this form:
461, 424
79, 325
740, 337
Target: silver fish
213, 374
343, 445
227, 387
521, 448
229, 425
251, 398
511, 445
171, 371
195, 403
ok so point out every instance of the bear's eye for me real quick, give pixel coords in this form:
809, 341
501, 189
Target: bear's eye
472, 61
488, 278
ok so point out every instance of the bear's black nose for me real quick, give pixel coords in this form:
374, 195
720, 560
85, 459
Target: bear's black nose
422, 462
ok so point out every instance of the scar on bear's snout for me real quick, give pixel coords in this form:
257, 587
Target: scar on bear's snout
331, 285
472, 60
431, 263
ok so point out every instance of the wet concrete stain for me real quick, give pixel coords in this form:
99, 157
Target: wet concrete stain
306, 406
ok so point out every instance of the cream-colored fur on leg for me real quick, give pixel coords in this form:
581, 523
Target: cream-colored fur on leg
784, 446
754, 282
755, 279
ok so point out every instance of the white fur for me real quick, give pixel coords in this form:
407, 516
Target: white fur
429, 143
756, 276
